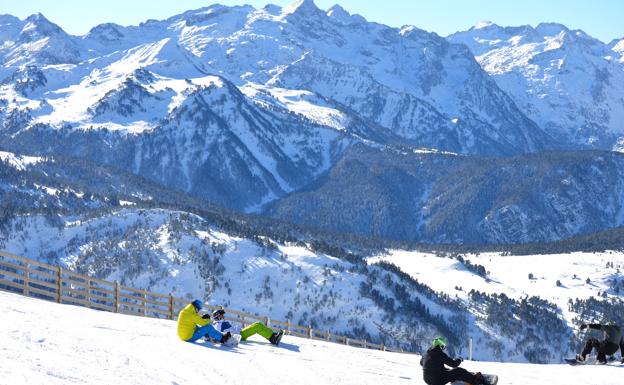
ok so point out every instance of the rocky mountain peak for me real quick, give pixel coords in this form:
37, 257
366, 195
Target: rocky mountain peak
301, 8
107, 32
337, 13
484, 24
618, 46
37, 26
551, 29
6, 20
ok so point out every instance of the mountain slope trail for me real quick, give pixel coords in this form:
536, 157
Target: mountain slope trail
43, 342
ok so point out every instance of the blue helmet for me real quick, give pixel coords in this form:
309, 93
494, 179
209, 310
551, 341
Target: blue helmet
198, 304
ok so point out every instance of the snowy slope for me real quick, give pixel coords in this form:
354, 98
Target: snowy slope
509, 274
565, 80
168, 251
110, 348
560, 279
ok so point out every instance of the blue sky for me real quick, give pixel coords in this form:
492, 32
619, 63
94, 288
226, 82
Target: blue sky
603, 19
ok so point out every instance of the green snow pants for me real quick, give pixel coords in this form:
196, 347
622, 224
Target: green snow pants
256, 328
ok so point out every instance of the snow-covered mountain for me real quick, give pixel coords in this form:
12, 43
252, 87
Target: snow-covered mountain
617, 45
257, 102
435, 197
36, 40
568, 82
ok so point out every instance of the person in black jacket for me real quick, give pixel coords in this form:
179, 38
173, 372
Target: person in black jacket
613, 340
435, 373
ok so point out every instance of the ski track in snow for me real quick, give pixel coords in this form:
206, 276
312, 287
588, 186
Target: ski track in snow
47, 343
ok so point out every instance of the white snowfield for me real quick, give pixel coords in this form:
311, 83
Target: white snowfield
510, 274
47, 343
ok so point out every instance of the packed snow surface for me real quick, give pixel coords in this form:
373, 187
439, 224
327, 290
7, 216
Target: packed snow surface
47, 343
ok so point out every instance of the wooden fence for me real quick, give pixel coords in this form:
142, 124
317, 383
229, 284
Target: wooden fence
54, 283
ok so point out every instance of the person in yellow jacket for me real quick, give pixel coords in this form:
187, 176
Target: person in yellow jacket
192, 326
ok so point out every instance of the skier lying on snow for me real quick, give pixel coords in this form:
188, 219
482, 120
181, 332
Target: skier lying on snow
435, 373
219, 322
192, 326
613, 340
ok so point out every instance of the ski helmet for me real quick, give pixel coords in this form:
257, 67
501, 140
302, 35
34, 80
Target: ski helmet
198, 304
218, 314
439, 342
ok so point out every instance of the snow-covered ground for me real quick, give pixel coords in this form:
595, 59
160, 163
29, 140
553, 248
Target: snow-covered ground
509, 274
46, 343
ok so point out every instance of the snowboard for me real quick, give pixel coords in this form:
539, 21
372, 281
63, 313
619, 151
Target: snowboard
589, 361
233, 340
492, 379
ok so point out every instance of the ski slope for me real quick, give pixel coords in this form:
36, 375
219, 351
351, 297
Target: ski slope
46, 343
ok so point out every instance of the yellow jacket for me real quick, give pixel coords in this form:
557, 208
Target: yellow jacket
187, 320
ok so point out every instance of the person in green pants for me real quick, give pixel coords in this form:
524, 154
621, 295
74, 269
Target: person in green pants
219, 323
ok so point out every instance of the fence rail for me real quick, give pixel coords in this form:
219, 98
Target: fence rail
53, 283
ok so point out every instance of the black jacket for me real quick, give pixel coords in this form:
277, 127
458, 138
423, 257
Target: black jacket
433, 363
612, 335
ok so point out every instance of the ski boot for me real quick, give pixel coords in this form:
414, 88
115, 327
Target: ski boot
276, 337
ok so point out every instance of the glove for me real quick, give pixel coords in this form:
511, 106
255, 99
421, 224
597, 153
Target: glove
206, 316
622, 361
458, 361
225, 337
583, 326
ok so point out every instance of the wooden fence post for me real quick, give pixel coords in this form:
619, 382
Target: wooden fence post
89, 282
26, 278
243, 321
346, 340
170, 306
143, 299
309, 331
267, 321
328, 336
116, 305
287, 331
59, 281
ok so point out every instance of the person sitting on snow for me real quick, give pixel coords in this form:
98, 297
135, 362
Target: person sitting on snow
192, 326
219, 322
435, 373
613, 340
